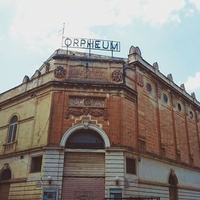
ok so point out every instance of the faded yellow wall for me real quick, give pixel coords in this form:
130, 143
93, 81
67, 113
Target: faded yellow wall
20, 168
33, 114
42, 117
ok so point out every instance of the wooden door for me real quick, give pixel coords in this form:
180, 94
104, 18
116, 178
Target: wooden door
4, 191
173, 193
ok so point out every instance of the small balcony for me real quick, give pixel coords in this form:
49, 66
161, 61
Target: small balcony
9, 147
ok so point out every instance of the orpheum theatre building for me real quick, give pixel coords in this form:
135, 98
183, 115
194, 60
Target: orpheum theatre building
94, 127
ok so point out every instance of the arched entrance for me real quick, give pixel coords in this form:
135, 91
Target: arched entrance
173, 190
84, 163
5, 176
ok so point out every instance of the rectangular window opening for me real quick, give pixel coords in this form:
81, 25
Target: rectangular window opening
130, 166
36, 164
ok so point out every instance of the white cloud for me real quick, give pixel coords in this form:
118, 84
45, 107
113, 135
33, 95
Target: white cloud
189, 12
193, 82
159, 12
6, 2
196, 3
37, 24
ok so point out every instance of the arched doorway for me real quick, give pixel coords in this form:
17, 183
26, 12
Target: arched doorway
173, 190
5, 176
84, 163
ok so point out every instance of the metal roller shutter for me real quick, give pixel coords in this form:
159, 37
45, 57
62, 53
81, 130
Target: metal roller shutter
84, 176
84, 164
83, 189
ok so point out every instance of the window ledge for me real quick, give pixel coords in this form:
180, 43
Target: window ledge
16, 180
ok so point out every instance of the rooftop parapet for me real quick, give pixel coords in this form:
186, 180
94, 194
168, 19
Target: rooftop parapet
135, 55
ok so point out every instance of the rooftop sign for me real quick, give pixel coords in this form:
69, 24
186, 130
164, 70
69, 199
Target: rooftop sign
95, 44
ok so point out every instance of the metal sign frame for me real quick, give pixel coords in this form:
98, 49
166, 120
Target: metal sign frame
91, 44
50, 193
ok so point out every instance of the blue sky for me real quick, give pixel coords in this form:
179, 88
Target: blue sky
167, 32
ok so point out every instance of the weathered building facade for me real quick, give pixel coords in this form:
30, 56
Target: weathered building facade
94, 127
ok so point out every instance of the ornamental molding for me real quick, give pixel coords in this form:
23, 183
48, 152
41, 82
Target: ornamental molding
95, 112
59, 72
79, 106
140, 79
87, 101
117, 76
87, 73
